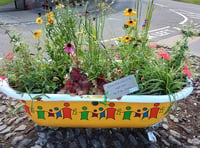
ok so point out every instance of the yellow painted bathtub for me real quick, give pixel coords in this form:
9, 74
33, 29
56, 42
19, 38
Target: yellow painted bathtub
63, 110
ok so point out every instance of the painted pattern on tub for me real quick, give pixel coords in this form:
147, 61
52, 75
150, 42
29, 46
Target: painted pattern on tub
95, 114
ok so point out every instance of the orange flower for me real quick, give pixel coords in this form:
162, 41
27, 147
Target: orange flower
50, 20
47, 24
126, 38
37, 34
39, 20
130, 23
51, 14
129, 12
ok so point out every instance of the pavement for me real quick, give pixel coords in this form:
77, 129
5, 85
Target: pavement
24, 21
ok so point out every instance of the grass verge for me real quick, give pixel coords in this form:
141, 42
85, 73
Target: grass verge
5, 2
191, 1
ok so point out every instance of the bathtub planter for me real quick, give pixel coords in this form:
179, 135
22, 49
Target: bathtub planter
63, 110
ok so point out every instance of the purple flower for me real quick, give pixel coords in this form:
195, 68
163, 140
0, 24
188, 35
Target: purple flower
112, 45
69, 48
145, 23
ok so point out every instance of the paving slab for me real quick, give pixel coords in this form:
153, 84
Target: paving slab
194, 43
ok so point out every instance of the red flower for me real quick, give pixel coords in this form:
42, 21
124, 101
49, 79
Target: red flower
164, 55
187, 71
3, 78
9, 56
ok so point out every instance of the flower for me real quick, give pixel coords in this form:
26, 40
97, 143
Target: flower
163, 54
73, 45
69, 48
37, 34
126, 38
50, 20
48, 24
153, 45
117, 58
39, 20
51, 14
129, 12
131, 23
9, 56
187, 72
3, 78
145, 23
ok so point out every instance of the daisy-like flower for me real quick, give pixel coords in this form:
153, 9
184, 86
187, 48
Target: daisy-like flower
69, 48
37, 34
131, 23
51, 14
126, 38
129, 12
187, 72
39, 20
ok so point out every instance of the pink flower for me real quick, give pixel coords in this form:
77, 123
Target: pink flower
69, 48
3, 78
153, 45
9, 56
164, 55
117, 58
187, 71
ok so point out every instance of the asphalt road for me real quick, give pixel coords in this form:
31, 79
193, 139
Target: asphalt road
169, 16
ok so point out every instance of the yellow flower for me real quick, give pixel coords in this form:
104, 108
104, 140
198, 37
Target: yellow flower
126, 38
37, 34
39, 20
129, 12
51, 14
130, 23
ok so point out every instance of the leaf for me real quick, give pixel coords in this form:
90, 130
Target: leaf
37, 90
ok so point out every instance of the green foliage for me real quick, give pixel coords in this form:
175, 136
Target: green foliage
73, 42
5, 2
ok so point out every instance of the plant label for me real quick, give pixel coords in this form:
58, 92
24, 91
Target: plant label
121, 87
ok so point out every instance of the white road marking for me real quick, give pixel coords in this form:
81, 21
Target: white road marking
189, 14
153, 34
185, 18
160, 5
177, 28
159, 29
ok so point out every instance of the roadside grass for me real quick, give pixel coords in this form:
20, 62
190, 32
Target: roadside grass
5, 2
191, 1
